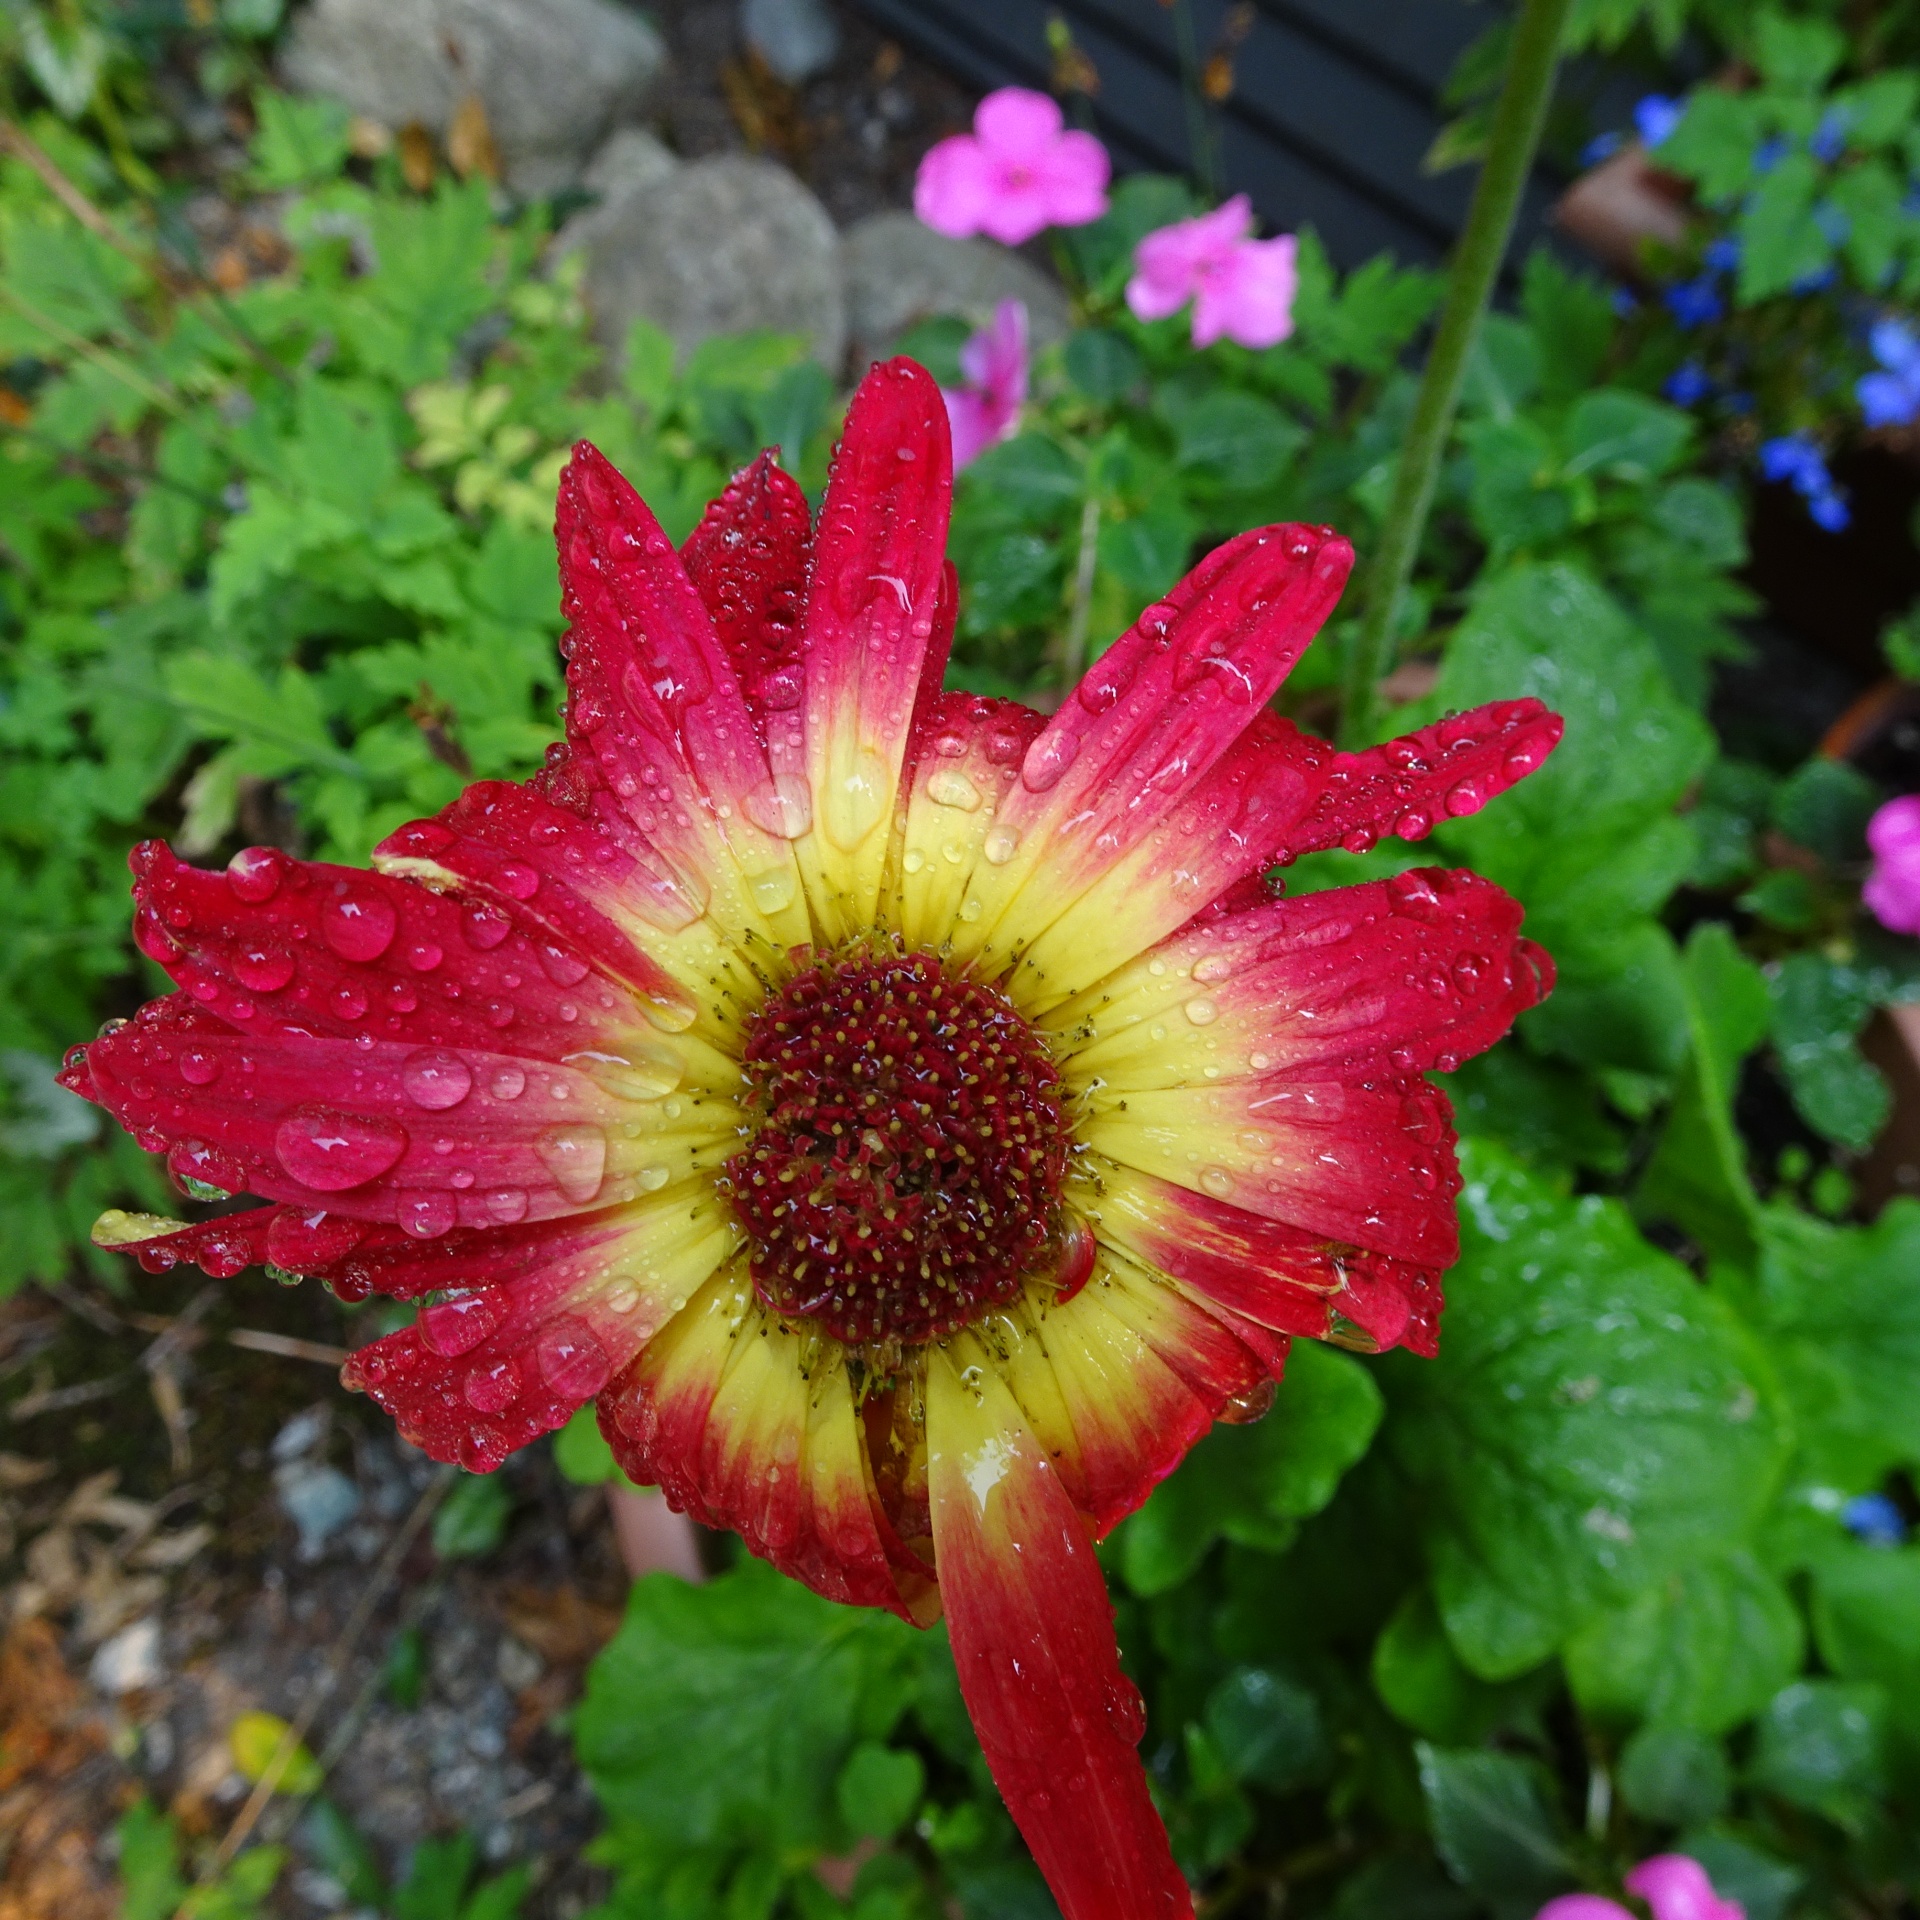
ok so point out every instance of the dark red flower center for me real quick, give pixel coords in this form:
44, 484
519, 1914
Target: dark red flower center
905, 1169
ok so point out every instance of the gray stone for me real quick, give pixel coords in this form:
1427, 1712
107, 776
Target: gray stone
899, 273
796, 38
553, 75
717, 246
630, 164
130, 1660
319, 1500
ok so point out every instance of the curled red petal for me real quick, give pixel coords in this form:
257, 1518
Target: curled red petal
1033, 1643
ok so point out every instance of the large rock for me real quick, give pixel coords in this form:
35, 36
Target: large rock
553, 75
899, 272
715, 246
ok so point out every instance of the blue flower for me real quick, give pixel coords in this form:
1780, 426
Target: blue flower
1656, 117
1687, 385
1694, 303
1792, 456
1833, 223
1875, 1519
1737, 401
1623, 301
1815, 282
1829, 509
1723, 254
1770, 152
1891, 398
1829, 139
1603, 146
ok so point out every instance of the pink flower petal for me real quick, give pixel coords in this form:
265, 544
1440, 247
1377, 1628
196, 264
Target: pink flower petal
1073, 179
1016, 124
1250, 300
1583, 1906
955, 187
1677, 1888
1895, 829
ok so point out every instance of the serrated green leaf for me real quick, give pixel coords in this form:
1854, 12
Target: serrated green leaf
1494, 1823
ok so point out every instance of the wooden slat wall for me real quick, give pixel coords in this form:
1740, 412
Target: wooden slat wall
1332, 111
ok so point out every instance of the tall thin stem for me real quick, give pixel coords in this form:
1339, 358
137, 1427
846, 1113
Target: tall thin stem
1518, 117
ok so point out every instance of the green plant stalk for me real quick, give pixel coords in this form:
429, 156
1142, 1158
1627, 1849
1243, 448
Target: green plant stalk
1521, 112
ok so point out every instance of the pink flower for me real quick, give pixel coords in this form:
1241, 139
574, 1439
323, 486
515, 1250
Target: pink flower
1018, 171
1892, 892
987, 407
1240, 288
1674, 1886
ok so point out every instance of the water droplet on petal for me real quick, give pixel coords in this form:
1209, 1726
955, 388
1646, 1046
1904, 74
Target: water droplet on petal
304, 1241
423, 956
508, 1205
782, 806
571, 1361
436, 1080
357, 926
254, 874
949, 787
493, 1388
485, 927
198, 1067
773, 891
507, 1083
261, 967
1202, 1011
1048, 759
349, 1000
576, 1156
427, 1215
1000, 845
641, 1073
1216, 1181
652, 1179
330, 1151
562, 965
521, 882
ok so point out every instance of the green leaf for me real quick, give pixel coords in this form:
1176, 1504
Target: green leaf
1742, 1873
647, 367
1592, 1426
879, 1788
725, 1711
1515, 496
1624, 435
1866, 1621
473, 1519
150, 1882
1674, 1775
1704, 1649
1781, 241
1841, 1316
436, 1879
1573, 324
1822, 1745
1250, 1484
1103, 249
1797, 54
1589, 843
1494, 1823
1237, 440
1820, 1007
1147, 551
1267, 1729
1698, 1174
297, 141
581, 1452
1824, 806
1419, 1676
1104, 365
1029, 480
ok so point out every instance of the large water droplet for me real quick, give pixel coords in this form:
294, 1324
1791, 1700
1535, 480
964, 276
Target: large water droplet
949, 787
641, 1073
521, 882
562, 965
1000, 845
493, 1388
427, 1215
453, 1327
329, 1151
576, 1156
782, 806
652, 1179
856, 800
357, 926
304, 1241
571, 1361
436, 1080
1048, 758
774, 890
424, 955
507, 1083
508, 1205
198, 1067
485, 927
913, 860
1216, 1181
349, 1000
1202, 1011
254, 874
263, 968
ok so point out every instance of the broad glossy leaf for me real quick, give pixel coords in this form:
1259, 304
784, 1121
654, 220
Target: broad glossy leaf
1494, 1823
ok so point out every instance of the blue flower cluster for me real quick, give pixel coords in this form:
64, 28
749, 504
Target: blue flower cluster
1794, 458
1891, 397
1874, 1518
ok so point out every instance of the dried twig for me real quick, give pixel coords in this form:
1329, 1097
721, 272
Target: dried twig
286, 1347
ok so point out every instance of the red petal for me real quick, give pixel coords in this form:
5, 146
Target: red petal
1033, 1643
748, 558
275, 945
488, 1369
875, 627
1155, 713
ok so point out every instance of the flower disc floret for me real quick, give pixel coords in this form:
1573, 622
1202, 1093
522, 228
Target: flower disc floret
905, 1167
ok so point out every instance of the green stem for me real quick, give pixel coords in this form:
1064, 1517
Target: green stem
1521, 112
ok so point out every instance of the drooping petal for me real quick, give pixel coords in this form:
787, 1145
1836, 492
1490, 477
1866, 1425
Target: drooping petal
1155, 713
746, 1423
1276, 794
748, 560
486, 1370
427, 1137
1033, 1643
954, 188
1118, 1381
873, 627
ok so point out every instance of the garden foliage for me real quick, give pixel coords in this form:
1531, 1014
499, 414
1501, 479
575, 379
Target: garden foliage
1431, 1638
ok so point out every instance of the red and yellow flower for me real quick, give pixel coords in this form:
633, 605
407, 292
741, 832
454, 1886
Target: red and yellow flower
913, 1119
